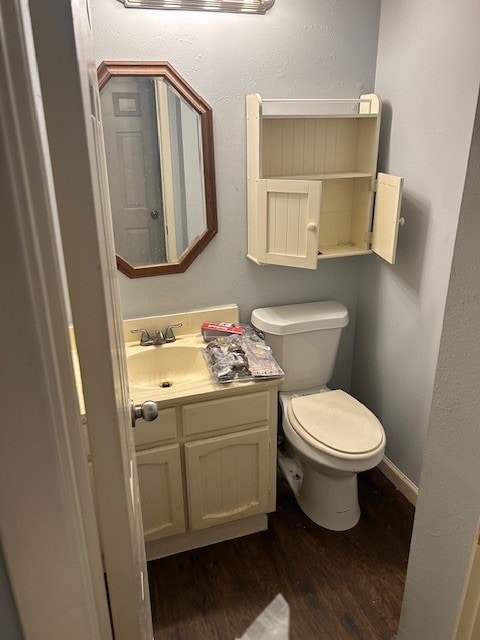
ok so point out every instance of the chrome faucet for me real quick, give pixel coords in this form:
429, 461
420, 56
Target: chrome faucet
168, 334
160, 337
147, 340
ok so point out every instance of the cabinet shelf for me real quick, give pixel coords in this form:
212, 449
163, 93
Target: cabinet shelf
356, 116
325, 176
341, 251
367, 106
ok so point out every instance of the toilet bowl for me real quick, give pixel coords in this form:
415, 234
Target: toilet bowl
330, 437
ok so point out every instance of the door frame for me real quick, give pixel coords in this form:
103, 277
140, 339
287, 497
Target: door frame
468, 619
166, 170
71, 102
48, 534
45, 483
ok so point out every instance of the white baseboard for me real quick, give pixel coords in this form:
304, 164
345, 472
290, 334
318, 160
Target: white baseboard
400, 480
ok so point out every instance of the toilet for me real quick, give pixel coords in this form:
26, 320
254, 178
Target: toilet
329, 435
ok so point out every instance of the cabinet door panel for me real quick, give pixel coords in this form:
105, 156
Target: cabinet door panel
164, 428
386, 218
161, 494
227, 477
212, 415
288, 214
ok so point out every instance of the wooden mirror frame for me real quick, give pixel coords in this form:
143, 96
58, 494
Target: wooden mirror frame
113, 69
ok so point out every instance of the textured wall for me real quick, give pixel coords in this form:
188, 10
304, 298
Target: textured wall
448, 506
312, 49
428, 69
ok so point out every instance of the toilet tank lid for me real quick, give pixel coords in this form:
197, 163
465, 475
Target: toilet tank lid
298, 318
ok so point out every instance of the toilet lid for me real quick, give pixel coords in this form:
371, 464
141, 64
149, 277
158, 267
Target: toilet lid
338, 421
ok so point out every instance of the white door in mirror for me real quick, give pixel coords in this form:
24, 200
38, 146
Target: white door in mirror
133, 161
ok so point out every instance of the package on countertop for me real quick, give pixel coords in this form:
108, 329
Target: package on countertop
241, 357
212, 330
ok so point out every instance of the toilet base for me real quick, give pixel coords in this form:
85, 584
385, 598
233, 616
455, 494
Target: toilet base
329, 499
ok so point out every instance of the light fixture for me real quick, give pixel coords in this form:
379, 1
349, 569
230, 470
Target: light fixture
230, 6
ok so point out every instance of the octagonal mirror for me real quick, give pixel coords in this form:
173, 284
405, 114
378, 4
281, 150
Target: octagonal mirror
159, 149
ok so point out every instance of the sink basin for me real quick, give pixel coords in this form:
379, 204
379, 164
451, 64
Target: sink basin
166, 366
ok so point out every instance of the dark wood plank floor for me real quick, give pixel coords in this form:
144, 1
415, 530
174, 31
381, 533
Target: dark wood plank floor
339, 585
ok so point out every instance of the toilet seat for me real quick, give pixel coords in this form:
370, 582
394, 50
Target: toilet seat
336, 423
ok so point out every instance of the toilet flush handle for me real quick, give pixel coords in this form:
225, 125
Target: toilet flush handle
311, 226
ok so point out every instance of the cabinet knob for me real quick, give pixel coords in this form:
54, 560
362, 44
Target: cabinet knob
311, 226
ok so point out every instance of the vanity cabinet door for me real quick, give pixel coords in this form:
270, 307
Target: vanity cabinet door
161, 492
227, 477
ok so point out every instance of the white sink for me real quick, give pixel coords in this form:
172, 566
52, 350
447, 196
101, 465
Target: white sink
165, 366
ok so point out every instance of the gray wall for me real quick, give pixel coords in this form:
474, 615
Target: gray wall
428, 68
312, 49
448, 507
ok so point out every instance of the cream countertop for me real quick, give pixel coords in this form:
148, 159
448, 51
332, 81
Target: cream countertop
178, 392
182, 391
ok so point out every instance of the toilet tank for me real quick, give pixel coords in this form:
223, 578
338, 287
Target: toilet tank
304, 339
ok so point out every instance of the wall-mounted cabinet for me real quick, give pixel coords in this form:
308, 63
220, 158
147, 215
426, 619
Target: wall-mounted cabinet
313, 191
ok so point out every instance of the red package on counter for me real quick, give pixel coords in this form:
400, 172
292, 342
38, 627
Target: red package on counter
212, 330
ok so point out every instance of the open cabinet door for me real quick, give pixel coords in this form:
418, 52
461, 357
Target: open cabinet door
386, 218
67, 70
288, 220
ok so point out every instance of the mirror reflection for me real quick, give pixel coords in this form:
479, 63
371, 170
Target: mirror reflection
155, 151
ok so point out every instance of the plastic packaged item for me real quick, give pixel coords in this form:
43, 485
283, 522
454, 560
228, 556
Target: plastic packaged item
241, 357
272, 624
212, 330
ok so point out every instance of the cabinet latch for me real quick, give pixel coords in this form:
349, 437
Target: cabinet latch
373, 184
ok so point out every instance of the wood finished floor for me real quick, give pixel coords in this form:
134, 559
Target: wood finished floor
339, 586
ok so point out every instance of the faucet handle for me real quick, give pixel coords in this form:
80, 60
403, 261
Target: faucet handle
168, 333
146, 338
158, 338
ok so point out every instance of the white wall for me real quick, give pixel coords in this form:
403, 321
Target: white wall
448, 507
301, 49
428, 68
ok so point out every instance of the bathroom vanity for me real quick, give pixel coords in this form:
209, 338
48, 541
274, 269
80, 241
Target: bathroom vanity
207, 464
